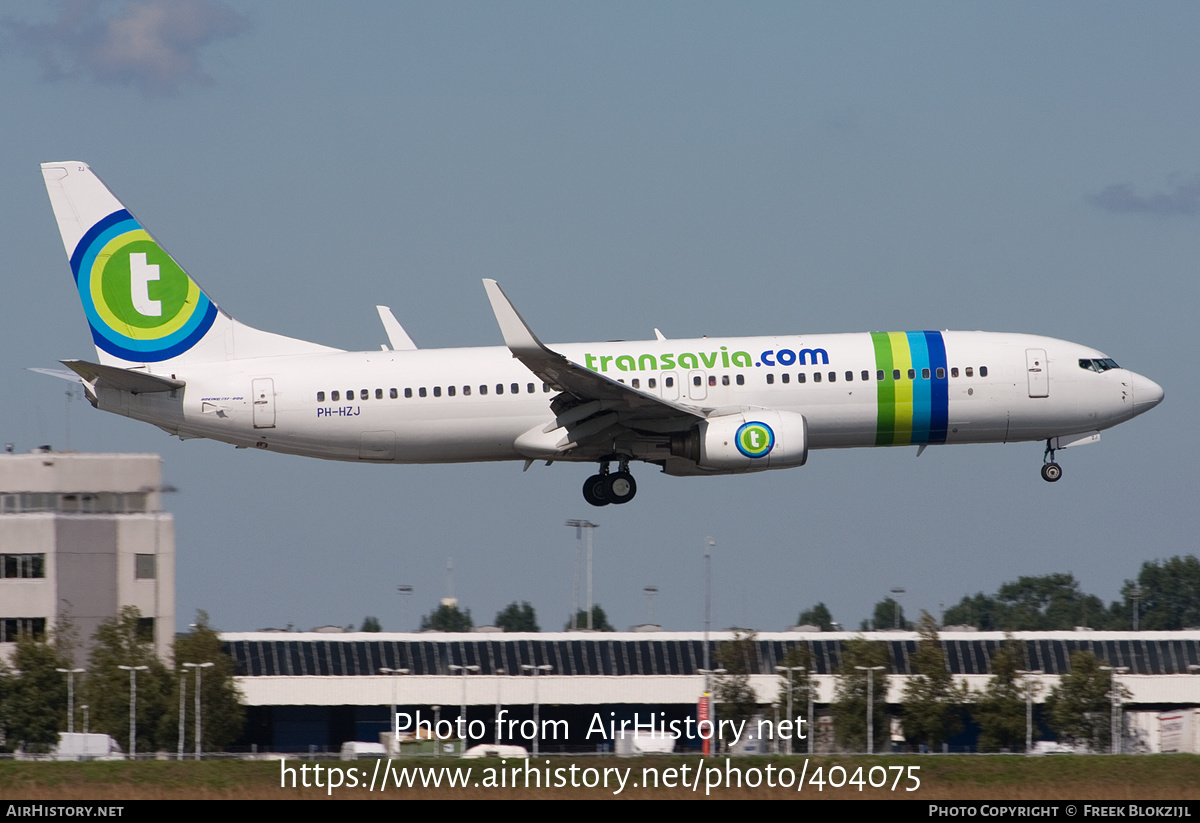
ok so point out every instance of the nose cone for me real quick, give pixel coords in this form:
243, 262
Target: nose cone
1146, 394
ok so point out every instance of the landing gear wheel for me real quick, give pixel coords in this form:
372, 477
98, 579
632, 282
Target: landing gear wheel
595, 490
1051, 472
620, 487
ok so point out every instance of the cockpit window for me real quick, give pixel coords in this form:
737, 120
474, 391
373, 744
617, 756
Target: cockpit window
1098, 364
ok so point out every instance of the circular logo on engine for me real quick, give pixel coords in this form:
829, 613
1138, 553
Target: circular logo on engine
140, 305
755, 439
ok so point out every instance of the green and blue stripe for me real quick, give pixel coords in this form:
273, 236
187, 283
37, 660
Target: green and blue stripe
913, 410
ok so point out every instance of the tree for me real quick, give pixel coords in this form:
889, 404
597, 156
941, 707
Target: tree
447, 618
222, 713
371, 624
818, 615
1051, 602
735, 698
36, 705
888, 614
1000, 708
599, 620
849, 707
799, 687
1080, 706
123, 641
932, 704
1169, 597
514, 618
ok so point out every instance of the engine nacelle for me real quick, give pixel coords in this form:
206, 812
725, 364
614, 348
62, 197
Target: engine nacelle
747, 441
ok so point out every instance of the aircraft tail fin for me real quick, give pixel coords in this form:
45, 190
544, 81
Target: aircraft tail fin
142, 307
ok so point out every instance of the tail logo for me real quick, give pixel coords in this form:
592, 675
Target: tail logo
140, 305
755, 439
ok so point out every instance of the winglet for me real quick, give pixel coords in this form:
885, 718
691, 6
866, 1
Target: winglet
517, 334
397, 336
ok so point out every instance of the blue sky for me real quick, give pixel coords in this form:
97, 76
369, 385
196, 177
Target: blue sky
703, 168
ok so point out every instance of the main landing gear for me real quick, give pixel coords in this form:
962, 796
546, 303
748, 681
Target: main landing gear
1051, 471
604, 488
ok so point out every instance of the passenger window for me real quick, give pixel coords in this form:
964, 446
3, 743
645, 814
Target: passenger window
393, 394
350, 394
879, 374
712, 380
483, 389
335, 396
912, 374
669, 382
364, 394
954, 372
833, 377
770, 379
983, 371
696, 381
801, 377
466, 391
437, 391
816, 377
320, 397
786, 377
408, 392
499, 388
637, 384
450, 391
895, 374
849, 377
421, 391
724, 380
941, 373
924, 374
529, 388
652, 383
546, 386
379, 394
741, 379
970, 372
866, 375
515, 388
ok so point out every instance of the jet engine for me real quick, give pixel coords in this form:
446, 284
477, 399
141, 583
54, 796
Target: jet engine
747, 441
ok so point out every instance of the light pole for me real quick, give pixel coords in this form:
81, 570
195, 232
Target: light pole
70, 673
133, 670
897, 591
650, 591
1115, 696
537, 731
709, 712
182, 719
198, 667
405, 591
709, 545
790, 686
393, 724
580, 526
85, 708
1136, 595
1029, 684
870, 670
499, 673
465, 670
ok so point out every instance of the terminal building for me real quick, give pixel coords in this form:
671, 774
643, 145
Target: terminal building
81, 536
313, 692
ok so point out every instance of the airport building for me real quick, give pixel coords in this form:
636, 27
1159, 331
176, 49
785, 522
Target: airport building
81, 536
313, 692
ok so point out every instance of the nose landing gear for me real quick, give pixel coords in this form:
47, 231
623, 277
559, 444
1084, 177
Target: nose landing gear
1051, 471
604, 488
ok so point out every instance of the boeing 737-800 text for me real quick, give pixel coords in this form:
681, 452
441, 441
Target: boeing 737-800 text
169, 356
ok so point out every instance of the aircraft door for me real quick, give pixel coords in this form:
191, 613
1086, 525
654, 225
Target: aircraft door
697, 385
670, 385
1039, 374
263, 392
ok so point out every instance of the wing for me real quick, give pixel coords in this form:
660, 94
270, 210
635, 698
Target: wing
592, 408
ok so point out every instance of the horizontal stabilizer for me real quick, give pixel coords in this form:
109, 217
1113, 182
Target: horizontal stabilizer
112, 377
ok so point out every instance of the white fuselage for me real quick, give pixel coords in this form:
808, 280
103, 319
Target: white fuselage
471, 404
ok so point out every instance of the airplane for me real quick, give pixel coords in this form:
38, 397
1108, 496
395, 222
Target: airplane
168, 355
